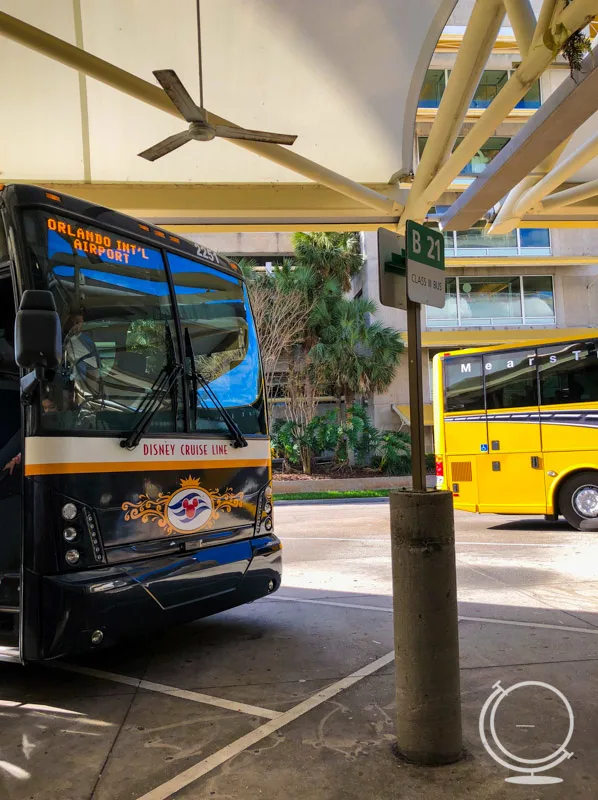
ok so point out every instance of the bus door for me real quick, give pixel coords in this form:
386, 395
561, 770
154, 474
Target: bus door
568, 378
10, 470
465, 429
511, 477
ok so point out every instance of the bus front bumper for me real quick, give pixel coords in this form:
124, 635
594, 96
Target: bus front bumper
97, 608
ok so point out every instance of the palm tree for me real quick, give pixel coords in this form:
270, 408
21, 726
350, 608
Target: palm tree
356, 356
332, 256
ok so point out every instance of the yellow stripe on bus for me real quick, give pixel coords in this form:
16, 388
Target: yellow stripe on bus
138, 466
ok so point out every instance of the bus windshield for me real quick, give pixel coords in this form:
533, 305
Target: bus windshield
121, 337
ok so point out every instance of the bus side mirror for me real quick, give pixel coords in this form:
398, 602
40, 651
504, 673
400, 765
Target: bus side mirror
38, 338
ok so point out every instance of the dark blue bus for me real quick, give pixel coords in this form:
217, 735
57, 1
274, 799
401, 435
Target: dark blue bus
135, 474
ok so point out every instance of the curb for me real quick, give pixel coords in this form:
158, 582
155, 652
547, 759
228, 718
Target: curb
330, 501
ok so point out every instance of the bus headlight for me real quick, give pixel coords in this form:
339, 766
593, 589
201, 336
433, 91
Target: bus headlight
268, 491
268, 524
72, 557
70, 534
69, 511
268, 507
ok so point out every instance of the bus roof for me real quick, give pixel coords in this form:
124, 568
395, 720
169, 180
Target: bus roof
515, 345
22, 194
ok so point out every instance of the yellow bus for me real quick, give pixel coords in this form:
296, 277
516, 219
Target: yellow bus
516, 428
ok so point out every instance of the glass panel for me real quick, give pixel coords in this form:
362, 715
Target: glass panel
463, 383
484, 300
214, 308
114, 304
490, 84
448, 314
532, 98
511, 379
433, 89
534, 237
568, 373
489, 150
477, 237
538, 298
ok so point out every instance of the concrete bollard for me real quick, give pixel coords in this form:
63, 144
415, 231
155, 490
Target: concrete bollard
425, 627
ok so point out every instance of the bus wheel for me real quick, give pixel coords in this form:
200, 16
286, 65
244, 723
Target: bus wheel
578, 498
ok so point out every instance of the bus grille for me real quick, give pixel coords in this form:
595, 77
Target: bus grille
461, 471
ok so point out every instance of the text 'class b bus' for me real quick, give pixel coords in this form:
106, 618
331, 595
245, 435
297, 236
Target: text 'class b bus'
516, 429
135, 483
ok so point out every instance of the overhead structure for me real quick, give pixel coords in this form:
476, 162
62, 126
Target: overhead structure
440, 164
530, 157
344, 76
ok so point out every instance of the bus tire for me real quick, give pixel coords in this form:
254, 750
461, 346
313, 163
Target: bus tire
578, 496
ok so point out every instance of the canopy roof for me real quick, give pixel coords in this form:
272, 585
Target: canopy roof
80, 102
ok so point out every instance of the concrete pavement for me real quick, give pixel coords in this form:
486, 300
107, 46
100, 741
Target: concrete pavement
293, 696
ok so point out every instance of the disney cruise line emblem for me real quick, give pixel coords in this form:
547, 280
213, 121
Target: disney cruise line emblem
187, 510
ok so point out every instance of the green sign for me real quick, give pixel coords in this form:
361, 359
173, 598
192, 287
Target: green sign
425, 245
425, 265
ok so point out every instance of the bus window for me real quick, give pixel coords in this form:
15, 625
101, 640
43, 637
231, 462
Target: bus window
464, 385
214, 309
114, 302
511, 379
568, 373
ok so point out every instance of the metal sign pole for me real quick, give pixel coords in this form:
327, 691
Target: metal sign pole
416, 395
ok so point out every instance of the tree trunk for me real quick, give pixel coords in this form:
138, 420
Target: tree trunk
305, 459
349, 402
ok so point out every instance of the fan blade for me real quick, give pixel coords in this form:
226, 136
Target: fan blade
166, 146
170, 82
227, 132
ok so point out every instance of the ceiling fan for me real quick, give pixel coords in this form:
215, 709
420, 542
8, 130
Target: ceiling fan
200, 128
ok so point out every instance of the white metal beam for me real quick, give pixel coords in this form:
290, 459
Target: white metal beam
568, 196
577, 159
506, 219
523, 21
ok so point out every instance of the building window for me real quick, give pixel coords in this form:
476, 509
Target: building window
490, 84
495, 301
433, 88
482, 158
476, 242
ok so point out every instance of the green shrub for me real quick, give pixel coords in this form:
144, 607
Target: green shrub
394, 452
388, 451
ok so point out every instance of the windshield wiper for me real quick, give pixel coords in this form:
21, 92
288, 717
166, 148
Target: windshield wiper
161, 387
236, 434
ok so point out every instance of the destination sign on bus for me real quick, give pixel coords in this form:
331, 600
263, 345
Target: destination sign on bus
98, 244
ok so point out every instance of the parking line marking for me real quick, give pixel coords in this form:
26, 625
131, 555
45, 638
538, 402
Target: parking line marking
574, 543
174, 785
465, 619
531, 624
277, 598
183, 694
